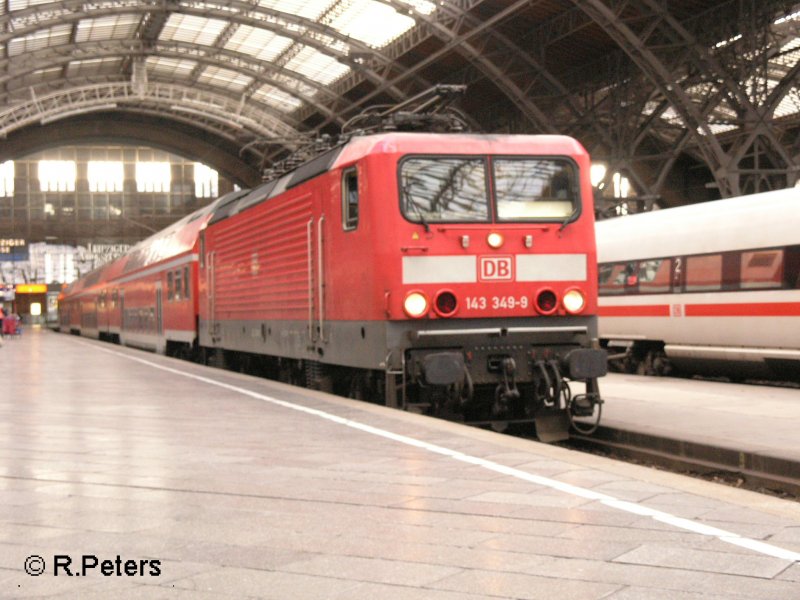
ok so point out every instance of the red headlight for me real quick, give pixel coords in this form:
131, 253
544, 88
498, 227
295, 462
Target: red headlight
546, 302
445, 304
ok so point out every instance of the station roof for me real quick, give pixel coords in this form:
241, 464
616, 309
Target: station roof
643, 85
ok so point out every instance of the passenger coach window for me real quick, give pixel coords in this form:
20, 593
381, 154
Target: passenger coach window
444, 190
350, 199
178, 285
170, 287
535, 188
185, 283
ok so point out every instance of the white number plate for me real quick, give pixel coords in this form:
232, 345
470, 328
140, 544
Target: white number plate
496, 302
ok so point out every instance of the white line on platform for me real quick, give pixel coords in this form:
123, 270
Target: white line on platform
629, 507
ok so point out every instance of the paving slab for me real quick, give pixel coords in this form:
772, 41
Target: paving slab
245, 488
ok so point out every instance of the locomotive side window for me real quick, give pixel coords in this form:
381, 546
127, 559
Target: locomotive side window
439, 189
350, 199
535, 188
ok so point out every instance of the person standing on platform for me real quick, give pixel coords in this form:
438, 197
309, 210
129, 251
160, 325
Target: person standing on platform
2, 316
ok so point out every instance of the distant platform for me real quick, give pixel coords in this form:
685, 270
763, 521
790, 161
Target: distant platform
230, 486
752, 418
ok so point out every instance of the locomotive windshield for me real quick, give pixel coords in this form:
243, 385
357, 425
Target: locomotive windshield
534, 188
444, 189
455, 189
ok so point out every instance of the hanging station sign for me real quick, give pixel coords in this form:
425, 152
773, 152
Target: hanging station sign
13, 249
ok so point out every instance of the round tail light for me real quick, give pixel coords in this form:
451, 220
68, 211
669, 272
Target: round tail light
445, 303
546, 302
416, 305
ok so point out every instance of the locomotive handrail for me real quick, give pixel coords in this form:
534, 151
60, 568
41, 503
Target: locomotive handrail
501, 331
321, 279
310, 247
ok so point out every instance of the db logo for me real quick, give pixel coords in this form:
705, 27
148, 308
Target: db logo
496, 268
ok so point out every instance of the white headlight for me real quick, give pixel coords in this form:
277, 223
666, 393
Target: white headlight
574, 301
415, 305
494, 239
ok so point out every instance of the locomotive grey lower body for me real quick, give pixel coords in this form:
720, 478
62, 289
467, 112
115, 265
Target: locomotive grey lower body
484, 371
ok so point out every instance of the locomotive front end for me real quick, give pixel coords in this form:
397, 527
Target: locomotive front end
493, 311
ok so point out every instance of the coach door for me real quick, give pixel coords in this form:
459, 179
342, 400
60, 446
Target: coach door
211, 293
159, 309
122, 324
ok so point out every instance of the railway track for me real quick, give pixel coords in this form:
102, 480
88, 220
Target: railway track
765, 474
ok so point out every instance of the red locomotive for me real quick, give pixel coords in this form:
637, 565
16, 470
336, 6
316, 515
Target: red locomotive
451, 273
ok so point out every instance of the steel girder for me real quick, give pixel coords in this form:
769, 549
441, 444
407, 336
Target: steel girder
663, 49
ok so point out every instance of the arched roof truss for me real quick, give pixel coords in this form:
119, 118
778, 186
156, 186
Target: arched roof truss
643, 84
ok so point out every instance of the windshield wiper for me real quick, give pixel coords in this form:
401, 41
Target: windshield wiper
410, 200
565, 222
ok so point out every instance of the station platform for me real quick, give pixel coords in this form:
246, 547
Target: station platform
149, 477
747, 422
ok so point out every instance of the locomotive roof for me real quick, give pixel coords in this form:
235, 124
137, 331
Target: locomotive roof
357, 147
756, 221
458, 143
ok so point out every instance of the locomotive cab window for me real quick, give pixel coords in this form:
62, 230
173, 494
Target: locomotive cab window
350, 199
444, 189
535, 188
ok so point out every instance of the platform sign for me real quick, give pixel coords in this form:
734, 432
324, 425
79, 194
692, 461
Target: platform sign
13, 250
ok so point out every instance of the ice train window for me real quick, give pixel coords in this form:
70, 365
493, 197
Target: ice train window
762, 269
535, 188
440, 189
654, 275
704, 273
617, 278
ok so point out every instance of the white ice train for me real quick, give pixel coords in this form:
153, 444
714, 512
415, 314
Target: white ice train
709, 288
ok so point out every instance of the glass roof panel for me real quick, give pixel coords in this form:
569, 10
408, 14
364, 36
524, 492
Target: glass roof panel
225, 78
22, 4
94, 66
45, 38
790, 104
191, 29
310, 9
259, 43
359, 21
317, 66
277, 98
114, 27
169, 67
